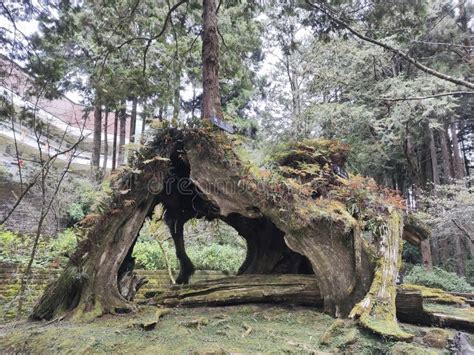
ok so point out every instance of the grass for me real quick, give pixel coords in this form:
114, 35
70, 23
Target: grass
242, 329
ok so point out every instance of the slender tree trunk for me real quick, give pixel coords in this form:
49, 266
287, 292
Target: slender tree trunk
114, 146
123, 123
446, 156
176, 103
458, 163
426, 255
434, 160
143, 116
106, 143
160, 114
465, 157
412, 159
95, 158
460, 257
133, 119
211, 101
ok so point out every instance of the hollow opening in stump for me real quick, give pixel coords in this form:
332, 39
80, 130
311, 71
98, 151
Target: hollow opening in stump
182, 200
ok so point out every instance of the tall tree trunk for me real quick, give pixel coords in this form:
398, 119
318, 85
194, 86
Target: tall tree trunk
460, 257
143, 116
446, 156
464, 151
106, 143
96, 143
133, 119
123, 123
434, 159
114, 147
412, 159
176, 103
426, 255
211, 101
458, 163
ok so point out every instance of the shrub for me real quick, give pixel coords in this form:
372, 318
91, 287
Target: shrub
148, 255
438, 278
16, 248
217, 257
64, 243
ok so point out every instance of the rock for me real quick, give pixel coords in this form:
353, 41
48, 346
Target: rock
147, 326
436, 338
161, 312
332, 331
461, 344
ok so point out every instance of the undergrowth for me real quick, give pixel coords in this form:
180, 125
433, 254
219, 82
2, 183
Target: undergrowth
438, 278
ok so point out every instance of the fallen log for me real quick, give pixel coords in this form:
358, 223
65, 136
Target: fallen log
291, 289
300, 290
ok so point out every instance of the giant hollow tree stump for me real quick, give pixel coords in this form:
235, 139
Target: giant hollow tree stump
301, 213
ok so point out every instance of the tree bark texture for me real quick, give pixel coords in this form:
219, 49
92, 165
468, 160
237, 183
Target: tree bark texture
211, 101
89, 285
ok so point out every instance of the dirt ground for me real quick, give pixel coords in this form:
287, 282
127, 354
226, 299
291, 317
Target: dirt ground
219, 330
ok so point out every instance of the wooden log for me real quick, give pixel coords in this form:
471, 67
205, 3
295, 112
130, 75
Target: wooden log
291, 289
410, 308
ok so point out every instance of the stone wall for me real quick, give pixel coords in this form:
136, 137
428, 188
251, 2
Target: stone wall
10, 276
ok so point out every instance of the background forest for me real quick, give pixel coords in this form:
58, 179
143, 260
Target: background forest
288, 71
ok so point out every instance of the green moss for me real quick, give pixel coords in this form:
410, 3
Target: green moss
274, 330
434, 294
411, 349
83, 315
466, 312
376, 311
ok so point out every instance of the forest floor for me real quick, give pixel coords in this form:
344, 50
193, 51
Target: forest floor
218, 330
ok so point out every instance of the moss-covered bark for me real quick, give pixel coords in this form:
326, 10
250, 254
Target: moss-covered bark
305, 211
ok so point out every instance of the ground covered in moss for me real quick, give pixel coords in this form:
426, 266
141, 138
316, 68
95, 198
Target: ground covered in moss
249, 328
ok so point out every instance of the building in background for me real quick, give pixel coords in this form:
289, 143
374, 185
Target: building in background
64, 120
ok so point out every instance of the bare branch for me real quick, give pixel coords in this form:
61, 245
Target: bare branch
405, 56
415, 98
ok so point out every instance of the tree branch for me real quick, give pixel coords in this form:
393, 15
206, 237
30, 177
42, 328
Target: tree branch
463, 229
414, 98
405, 56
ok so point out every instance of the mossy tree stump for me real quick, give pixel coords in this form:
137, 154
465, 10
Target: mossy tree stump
302, 215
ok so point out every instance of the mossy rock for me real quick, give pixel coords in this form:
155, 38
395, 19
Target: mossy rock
340, 334
436, 338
